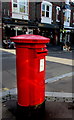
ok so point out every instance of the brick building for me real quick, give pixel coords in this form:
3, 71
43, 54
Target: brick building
15, 16
54, 20
44, 15
50, 19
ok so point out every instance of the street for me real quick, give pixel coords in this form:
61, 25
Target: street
8, 70
53, 70
59, 79
36, 60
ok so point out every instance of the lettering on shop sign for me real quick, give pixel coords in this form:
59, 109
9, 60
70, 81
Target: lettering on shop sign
41, 65
41, 25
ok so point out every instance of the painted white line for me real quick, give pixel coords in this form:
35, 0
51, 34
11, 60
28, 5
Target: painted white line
48, 58
47, 94
3, 53
60, 60
51, 80
59, 94
54, 79
7, 57
9, 50
11, 91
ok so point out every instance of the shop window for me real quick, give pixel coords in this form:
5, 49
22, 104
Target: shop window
58, 14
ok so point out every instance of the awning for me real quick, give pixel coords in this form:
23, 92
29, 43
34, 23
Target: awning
14, 21
45, 25
17, 22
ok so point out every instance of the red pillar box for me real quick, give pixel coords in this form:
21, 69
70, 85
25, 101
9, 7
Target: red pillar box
30, 65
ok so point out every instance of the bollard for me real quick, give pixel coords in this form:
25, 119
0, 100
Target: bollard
30, 69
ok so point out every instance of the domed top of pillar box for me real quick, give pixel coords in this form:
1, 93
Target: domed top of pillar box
29, 38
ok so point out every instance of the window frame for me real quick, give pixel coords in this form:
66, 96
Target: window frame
47, 11
50, 9
13, 6
25, 4
43, 10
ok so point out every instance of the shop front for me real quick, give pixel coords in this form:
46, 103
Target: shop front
13, 27
66, 35
51, 31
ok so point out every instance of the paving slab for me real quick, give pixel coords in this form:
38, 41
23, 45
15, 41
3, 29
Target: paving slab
62, 85
53, 111
55, 69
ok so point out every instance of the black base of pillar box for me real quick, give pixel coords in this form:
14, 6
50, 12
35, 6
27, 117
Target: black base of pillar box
31, 113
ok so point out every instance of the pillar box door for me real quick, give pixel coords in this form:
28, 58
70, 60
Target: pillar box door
30, 68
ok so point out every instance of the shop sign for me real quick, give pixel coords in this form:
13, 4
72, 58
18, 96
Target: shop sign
41, 25
19, 21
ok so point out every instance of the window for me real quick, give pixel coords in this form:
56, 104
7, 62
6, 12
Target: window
15, 6
15, 1
46, 9
57, 14
43, 10
20, 6
46, 12
67, 17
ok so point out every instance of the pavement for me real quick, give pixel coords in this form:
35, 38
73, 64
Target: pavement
53, 110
